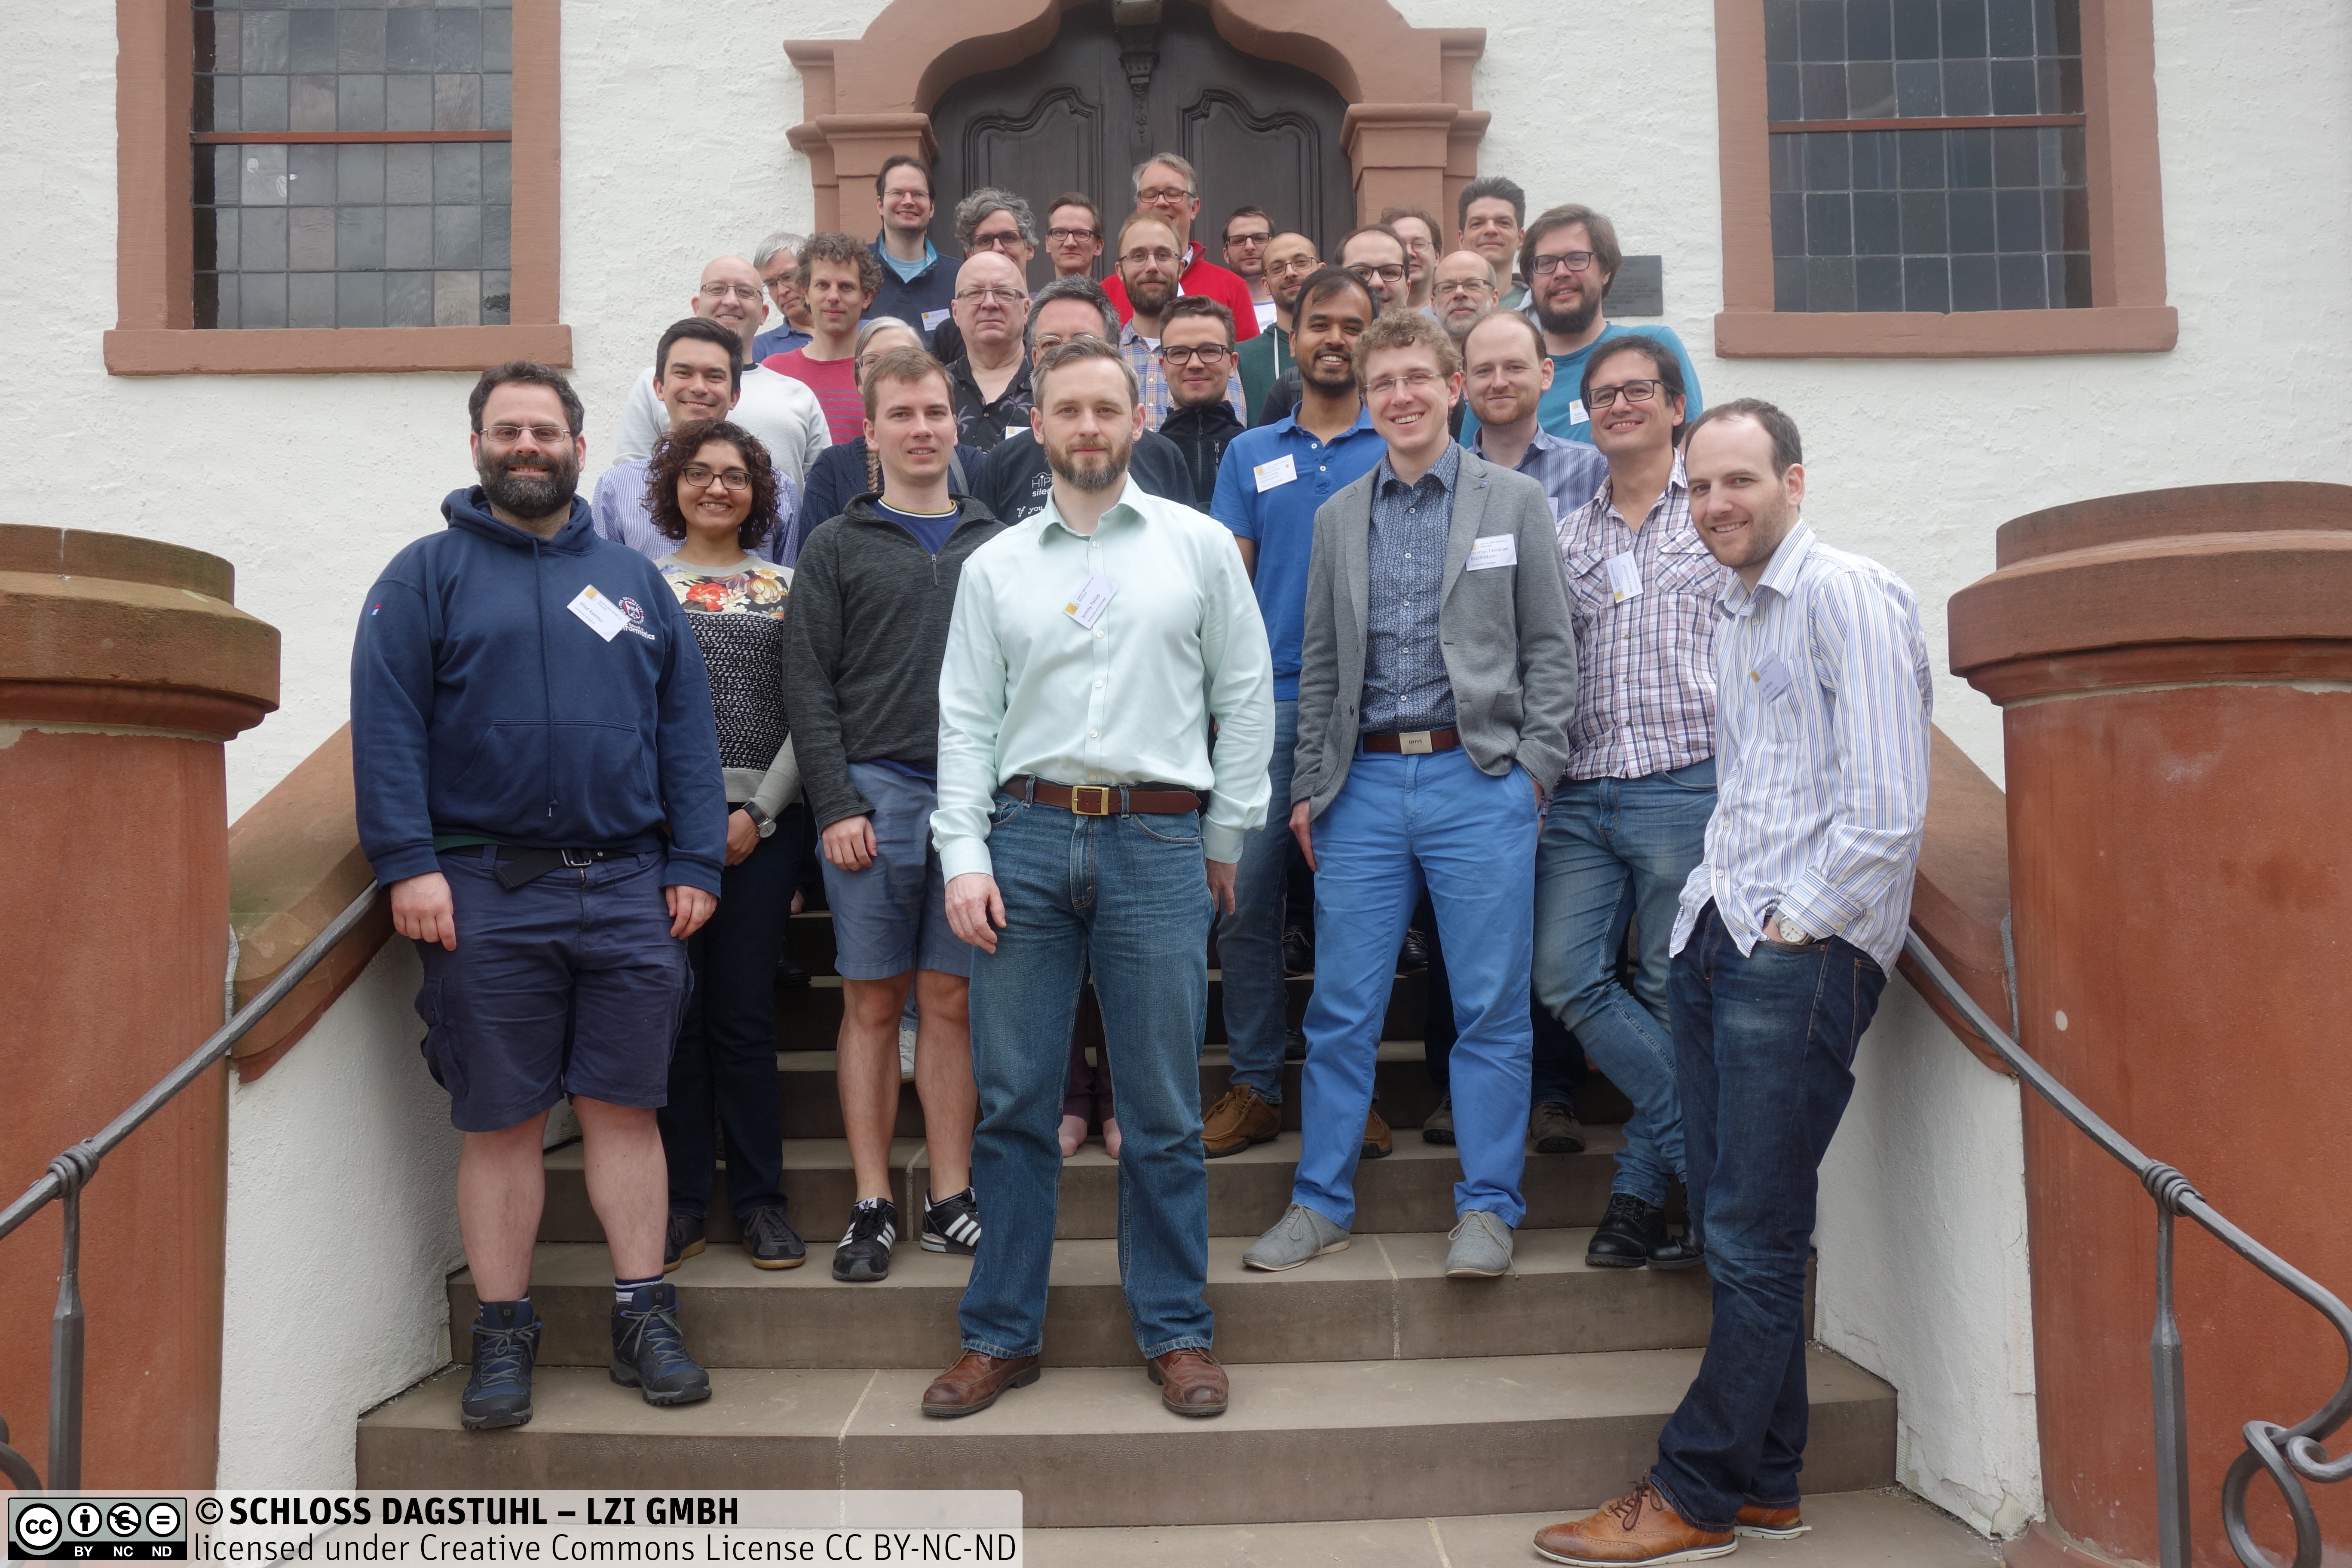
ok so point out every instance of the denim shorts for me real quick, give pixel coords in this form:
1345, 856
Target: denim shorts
893, 916
569, 984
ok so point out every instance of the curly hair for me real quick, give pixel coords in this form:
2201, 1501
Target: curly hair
674, 452
842, 250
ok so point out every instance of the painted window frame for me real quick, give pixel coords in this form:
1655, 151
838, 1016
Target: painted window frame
155, 332
2128, 314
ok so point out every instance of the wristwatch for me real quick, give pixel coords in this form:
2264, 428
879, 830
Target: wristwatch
760, 820
1790, 930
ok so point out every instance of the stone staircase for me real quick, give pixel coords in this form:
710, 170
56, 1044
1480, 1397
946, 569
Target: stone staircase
1366, 1386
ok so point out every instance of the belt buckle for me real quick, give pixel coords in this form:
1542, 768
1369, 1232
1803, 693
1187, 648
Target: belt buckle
1414, 742
586, 858
1102, 799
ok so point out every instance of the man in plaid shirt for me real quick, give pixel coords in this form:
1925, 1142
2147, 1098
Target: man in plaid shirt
1628, 820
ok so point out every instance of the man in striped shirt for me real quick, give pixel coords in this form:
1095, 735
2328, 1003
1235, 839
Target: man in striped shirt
1630, 819
1785, 935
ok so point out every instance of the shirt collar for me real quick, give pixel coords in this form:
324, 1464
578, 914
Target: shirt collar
1289, 422
1677, 481
1543, 441
1780, 573
1446, 471
1127, 507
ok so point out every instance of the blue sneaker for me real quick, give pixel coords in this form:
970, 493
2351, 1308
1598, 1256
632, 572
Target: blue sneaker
498, 1394
649, 1350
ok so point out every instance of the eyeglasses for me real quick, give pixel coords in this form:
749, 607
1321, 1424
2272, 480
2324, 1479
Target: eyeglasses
1052, 339
1390, 272
1235, 239
1210, 354
1302, 264
747, 292
1465, 285
507, 434
1070, 235
1634, 391
1003, 240
991, 296
1162, 258
1163, 195
701, 476
1574, 260
1412, 381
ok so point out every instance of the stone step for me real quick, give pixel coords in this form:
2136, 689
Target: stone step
1412, 1189
1386, 1298
812, 1101
1094, 1447
809, 1017
1886, 1529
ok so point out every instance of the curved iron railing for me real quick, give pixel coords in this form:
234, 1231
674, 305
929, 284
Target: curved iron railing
2290, 1455
72, 1170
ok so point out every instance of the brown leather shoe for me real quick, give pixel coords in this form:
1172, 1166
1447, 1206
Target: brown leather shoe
1192, 1383
975, 1380
1236, 1121
1637, 1528
1553, 1128
1379, 1142
1770, 1523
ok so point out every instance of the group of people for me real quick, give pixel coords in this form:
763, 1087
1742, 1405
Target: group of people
1063, 625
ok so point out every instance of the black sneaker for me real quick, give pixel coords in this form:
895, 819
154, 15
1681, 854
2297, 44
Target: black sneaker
649, 1350
864, 1252
683, 1240
1298, 953
1294, 1044
1629, 1231
771, 1242
952, 1225
498, 1393
1412, 955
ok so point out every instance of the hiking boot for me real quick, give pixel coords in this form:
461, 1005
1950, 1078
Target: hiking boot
772, 1243
1439, 1128
1379, 1142
864, 1252
682, 1241
1239, 1120
952, 1225
649, 1352
1629, 1233
1684, 1251
1298, 953
498, 1392
1412, 953
1553, 1128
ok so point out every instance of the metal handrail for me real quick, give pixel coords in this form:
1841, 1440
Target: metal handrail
72, 1170
2288, 1455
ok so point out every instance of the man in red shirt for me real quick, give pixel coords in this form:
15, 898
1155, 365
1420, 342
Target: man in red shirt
1167, 186
838, 276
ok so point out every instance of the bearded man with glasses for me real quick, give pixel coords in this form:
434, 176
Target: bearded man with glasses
1570, 258
1149, 254
1167, 188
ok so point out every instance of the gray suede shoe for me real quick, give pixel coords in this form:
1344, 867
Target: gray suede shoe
1481, 1249
1300, 1234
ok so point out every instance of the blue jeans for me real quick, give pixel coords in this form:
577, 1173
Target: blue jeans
1397, 824
1558, 1073
1614, 848
1249, 941
1765, 1047
1128, 896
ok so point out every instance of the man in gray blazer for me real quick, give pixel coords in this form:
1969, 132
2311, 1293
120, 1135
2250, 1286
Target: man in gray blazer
1437, 682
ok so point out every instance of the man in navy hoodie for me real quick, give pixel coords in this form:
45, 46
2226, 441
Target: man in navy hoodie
539, 787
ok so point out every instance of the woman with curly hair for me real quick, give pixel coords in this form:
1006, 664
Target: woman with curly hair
711, 486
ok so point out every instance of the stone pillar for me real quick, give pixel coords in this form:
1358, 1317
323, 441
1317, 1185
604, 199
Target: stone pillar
1401, 154
2175, 671
123, 668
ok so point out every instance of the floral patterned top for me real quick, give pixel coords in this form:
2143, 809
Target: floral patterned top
738, 617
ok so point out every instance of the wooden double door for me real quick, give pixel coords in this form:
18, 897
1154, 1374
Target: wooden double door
1102, 98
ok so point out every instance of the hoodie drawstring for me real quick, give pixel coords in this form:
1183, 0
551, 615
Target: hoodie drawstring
546, 685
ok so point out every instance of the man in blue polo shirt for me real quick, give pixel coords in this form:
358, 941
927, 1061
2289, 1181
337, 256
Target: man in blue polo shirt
1271, 482
1570, 258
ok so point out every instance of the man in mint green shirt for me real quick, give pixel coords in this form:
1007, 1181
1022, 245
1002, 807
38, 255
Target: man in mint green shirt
1084, 824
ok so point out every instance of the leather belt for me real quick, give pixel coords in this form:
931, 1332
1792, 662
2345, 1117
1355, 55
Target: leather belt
1104, 800
520, 868
1414, 742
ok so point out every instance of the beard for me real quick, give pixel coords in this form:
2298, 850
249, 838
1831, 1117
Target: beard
530, 495
1151, 299
1091, 472
1569, 323
1334, 381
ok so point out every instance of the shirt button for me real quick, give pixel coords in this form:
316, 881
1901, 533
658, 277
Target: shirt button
1098, 634
1094, 734
1098, 685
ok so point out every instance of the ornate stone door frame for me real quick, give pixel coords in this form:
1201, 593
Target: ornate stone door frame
1410, 134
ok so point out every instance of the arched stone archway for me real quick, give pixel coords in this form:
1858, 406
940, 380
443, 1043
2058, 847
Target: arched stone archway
1410, 133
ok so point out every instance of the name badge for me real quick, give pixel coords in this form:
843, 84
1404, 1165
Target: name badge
604, 616
1094, 597
1772, 678
1492, 549
1280, 471
933, 318
1625, 578
1576, 414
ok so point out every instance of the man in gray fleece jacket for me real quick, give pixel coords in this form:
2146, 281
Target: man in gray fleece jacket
864, 646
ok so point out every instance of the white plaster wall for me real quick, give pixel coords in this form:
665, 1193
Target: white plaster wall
1923, 1272
340, 1231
